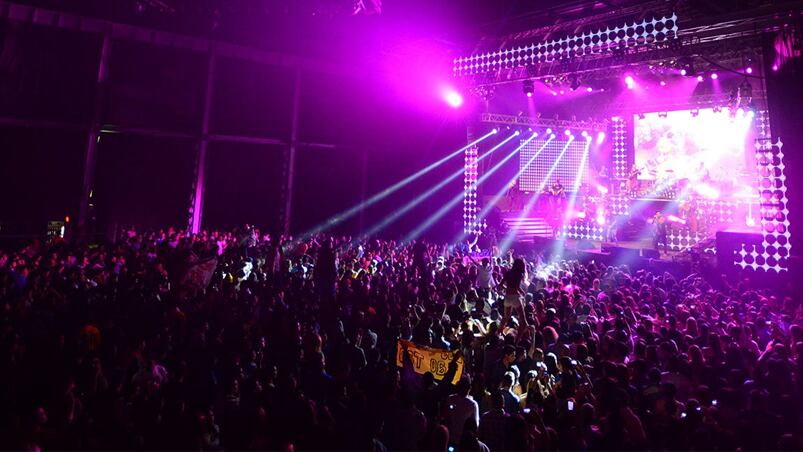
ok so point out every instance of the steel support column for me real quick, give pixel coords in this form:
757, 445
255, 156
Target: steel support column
203, 148
94, 134
291, 155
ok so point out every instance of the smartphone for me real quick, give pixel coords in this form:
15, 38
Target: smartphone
526, 411
570, 405
714, 402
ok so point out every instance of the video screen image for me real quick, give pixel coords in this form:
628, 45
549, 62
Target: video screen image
703, 147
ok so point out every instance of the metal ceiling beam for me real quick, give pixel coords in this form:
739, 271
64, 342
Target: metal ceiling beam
543, 123
71, 22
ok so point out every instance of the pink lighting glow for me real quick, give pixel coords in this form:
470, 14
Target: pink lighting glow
775, 67
663, 83
699, 78
453, 98
683, 72
706, 191
529, 94
629, 80
562, 92
567, 132
675, 219
590, 89
749, 70
600, 137
714, 76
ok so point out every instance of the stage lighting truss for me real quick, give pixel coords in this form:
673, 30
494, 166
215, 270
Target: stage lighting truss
619, 154
628, 35
583, 229
544, 123
471, 225
683, 239
773, 252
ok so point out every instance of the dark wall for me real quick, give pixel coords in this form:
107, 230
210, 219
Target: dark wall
372, 139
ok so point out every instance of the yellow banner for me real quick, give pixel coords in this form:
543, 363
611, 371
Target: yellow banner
427, 359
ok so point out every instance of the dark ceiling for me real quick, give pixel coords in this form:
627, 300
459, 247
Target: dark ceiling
312, 27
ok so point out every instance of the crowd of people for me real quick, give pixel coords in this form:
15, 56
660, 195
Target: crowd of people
240, 340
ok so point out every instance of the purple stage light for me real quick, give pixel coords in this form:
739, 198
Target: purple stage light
714, 76
663, 83
775, 67
699, 78
548, 131
683, 72
554, 93
590, 89
552, 136
749, 70
529, 94
629, 80
453, 98
567, 132
584, 133
562, 92
600, 137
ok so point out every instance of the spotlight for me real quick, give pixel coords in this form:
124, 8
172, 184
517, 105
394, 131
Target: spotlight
552, 136
554, 93
749, 70
775, 67
699, 78
567, 132
687, 68
629, 80
584, 133
562, 92
548, 131
529, 88
600, 137
590, 89
494, 130
663, 83
453, 98
714, 76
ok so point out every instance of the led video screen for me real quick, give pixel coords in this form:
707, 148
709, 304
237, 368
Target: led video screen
700, 146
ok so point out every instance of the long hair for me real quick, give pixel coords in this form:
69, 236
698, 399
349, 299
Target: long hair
515, 276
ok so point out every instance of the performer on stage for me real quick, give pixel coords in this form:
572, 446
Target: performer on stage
660, 233
512, 196
632, 179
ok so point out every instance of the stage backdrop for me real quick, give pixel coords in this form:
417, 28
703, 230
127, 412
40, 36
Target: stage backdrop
565, 156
